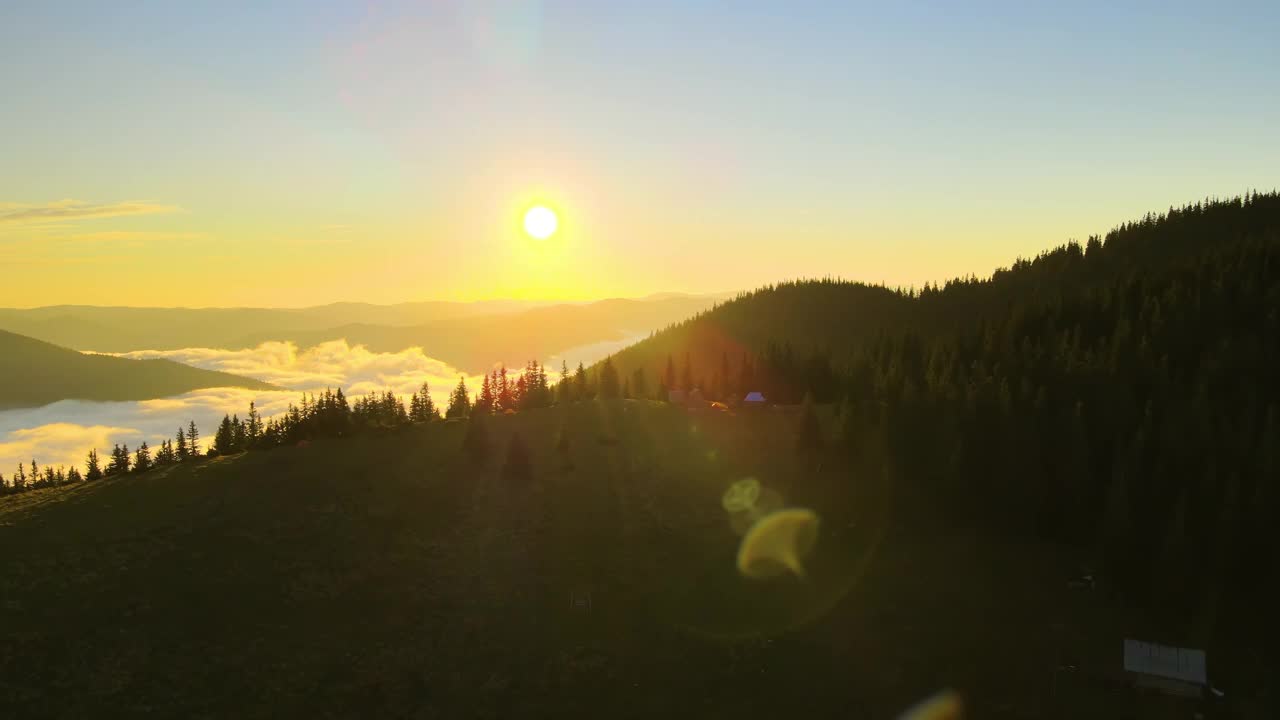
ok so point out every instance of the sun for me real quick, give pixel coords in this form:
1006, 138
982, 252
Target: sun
540, 222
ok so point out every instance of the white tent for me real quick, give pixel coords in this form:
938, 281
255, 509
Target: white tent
1175, 670
754, 397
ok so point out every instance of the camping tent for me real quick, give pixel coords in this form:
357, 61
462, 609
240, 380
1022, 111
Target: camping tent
1175, 670
754, 397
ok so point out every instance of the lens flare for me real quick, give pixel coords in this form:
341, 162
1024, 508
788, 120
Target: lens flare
741, 496
944, 706
778, 543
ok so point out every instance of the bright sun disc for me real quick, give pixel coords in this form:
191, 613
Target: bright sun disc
540, 222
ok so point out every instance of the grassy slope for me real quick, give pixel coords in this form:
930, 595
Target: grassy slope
33, 372
387, 577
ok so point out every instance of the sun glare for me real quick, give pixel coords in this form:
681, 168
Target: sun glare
540, 222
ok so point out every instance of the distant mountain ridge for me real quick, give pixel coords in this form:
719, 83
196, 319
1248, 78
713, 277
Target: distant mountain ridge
469, 336
34, 373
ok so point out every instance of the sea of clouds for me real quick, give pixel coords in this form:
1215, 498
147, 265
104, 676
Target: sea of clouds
62, 433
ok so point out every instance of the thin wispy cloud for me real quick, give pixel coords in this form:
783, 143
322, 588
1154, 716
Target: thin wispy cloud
60, 210
129, 236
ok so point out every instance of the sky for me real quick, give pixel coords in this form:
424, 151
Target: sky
299, 153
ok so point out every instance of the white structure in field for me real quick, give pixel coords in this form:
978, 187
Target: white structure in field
754, 397
1175, 670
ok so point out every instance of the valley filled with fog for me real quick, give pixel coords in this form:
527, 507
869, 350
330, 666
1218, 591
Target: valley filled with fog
62, 433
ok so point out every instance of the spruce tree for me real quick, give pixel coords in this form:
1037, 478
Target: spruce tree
520, 394
564, 388
163, 454
93, 469
193, 440
119, 464
239, 434
459, 402
253, 424
181, 449
142, 458
580, 390
506, 391
609, 388
223, 438
429, 411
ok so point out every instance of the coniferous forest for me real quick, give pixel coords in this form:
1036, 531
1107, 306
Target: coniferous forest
1120, 395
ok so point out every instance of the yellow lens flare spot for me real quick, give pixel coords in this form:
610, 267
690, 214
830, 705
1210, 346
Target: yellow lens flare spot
741, 496
540, 222
778, 543
943, 706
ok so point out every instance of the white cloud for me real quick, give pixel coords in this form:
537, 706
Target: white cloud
58, 443
63, 432
330, 364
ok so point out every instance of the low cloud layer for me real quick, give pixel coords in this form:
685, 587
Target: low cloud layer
331, 364
63, 432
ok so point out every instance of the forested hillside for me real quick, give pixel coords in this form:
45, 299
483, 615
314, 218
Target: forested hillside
35, 373
1119, 395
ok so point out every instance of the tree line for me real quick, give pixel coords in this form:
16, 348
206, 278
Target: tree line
317, 415
183, 448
